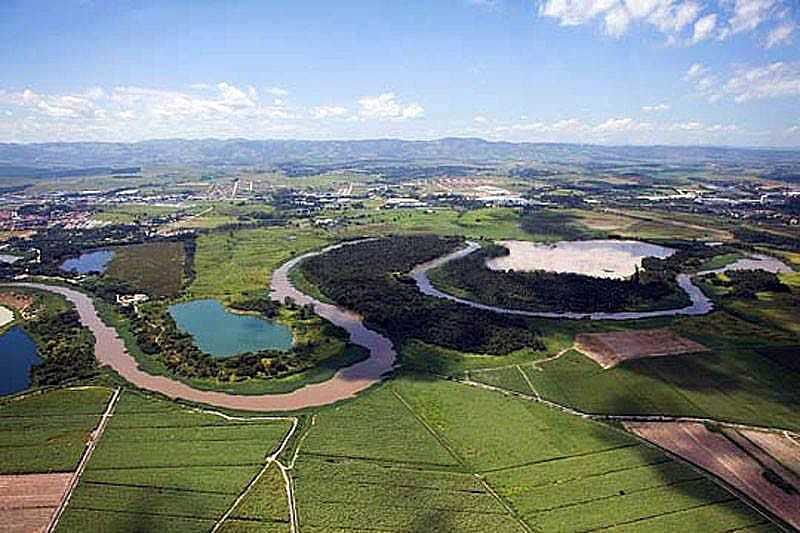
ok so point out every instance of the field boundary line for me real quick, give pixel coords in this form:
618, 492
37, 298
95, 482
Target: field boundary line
270, 459
530, 384
94, 438
627, 418
535, 364
509, 510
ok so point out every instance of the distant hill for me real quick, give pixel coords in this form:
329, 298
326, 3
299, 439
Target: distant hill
60, 157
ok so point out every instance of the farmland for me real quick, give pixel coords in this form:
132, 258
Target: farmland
422, 455
47, 432
168, 467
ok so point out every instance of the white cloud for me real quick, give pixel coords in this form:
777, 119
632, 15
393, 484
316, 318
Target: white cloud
774, 80
680, 21
771, 81
780, 34
278, 92
324, 112
386, 106
747, 16
480, 119
704, 27
655, 108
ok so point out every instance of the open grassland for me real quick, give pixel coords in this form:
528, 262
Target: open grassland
229, 263
748, 377
155, 268
649, 225
161, 467
137, 213
48, 432
431, 455
486, 223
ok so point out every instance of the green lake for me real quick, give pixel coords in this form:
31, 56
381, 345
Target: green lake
221, 333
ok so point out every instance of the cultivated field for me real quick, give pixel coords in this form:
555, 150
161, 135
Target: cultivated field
44, 433
27, 502
614, 347
734, 458
160, 467
428, 455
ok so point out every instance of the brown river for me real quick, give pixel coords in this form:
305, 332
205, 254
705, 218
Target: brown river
345, 383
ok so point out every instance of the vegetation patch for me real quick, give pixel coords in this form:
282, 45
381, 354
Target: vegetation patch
168, 467
155, 268
47, 432
369, 277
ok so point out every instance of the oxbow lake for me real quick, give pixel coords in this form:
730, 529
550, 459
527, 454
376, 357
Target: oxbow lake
90, 262
18, 354
599, 258
221, 333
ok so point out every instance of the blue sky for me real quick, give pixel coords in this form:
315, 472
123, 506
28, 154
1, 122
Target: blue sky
602, 71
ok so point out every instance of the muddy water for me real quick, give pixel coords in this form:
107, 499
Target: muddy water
700, 305
346, 383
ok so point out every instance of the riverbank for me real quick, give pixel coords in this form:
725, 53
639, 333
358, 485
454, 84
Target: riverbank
345, 383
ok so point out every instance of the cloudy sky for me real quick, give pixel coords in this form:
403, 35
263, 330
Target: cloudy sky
595, 71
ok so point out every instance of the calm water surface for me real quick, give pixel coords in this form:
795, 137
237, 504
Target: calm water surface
221, 333
89, 262
18, 354
599, 258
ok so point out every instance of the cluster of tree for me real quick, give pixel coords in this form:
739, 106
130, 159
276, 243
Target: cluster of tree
66, 347
746, 284
369, 277
260, 303
550, 291
158, 335
751, 236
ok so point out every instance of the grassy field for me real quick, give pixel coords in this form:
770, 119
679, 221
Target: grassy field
155, 268
560, 473
431, 455
47, 432
487, 223
734, 382
264, 508
230, 263
160, 467
135, 213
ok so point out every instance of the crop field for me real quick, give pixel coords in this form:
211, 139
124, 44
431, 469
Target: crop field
28, 501
371, 463
229, 263
734, 457
612, 348
264, 508
481, 461
47, 432
168, 467
155, 268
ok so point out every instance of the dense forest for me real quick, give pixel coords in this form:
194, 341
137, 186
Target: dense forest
652, 287
369, 277
66, 347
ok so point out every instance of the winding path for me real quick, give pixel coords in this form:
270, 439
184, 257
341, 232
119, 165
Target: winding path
346, 383
700, 305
